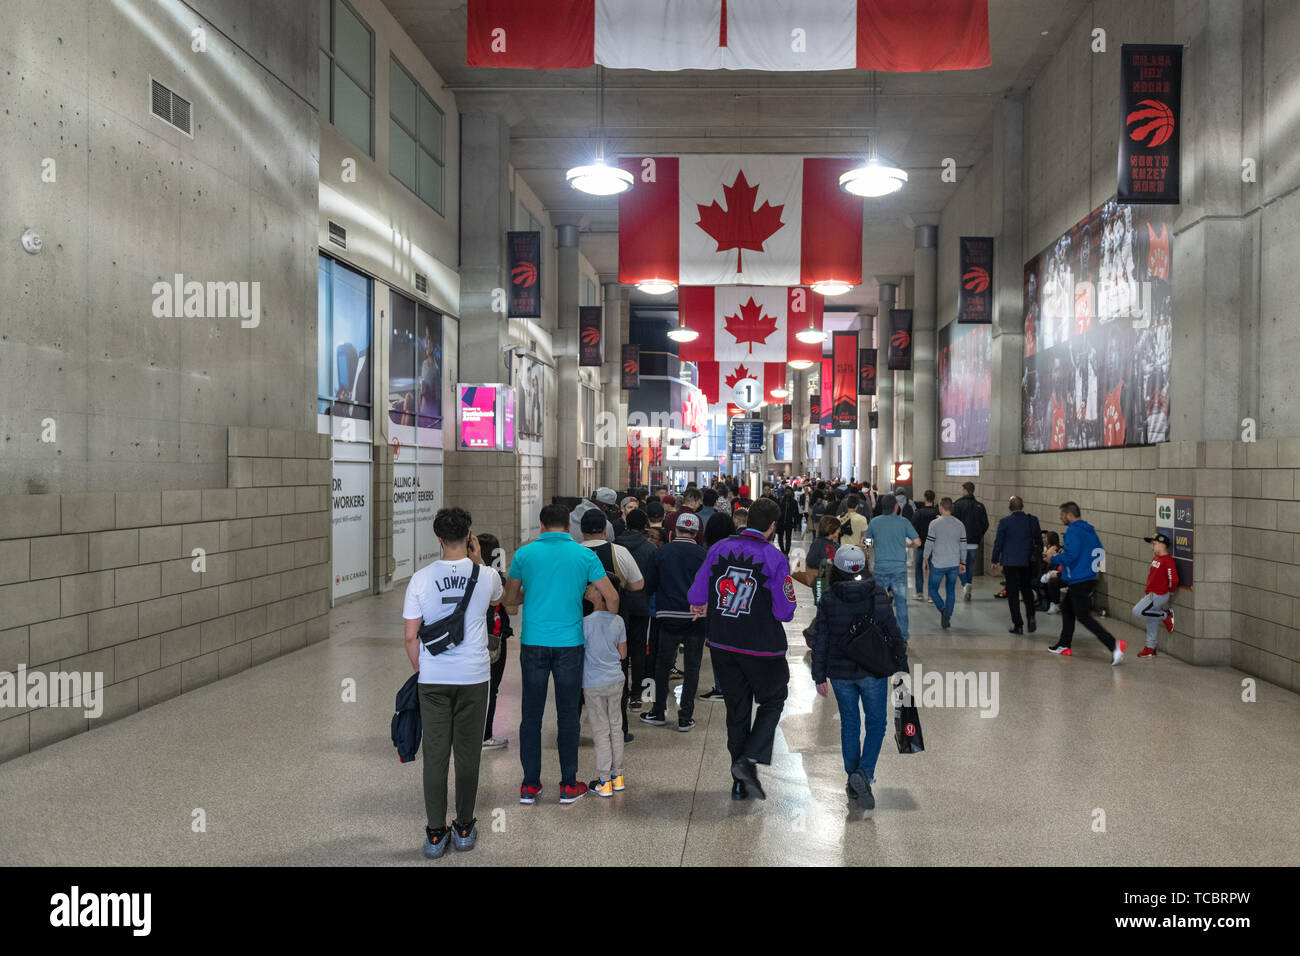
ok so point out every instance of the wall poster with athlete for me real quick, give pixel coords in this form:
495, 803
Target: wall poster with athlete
965, 389
1098, 333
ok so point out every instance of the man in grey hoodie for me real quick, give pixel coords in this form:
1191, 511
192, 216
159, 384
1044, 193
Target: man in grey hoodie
945, 558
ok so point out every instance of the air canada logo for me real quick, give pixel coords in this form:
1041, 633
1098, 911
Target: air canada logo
740, 226
524, 274
976, 279
1157, 122
590, 335
900, 339
736, 591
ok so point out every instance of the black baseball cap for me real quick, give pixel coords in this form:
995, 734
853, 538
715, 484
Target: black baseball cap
1161, 537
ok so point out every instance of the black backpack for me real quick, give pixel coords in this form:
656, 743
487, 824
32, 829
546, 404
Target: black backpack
868, 646
448, 632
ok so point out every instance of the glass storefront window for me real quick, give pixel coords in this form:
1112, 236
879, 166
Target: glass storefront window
344, 362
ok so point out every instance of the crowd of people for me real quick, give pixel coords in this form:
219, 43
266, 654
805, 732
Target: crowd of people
615, 587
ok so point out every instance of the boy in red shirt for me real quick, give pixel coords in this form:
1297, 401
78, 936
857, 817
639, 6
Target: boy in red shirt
1162, 581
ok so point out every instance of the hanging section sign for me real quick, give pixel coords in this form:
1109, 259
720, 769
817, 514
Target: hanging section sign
746, 437
844, 378
589, 344
900, 340
976, 302
525, 252
1150, 113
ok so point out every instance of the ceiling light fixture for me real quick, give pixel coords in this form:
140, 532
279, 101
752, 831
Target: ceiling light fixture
800, 365
831, 287
656, 286
875, 178
599, 179
781, 392
810, 335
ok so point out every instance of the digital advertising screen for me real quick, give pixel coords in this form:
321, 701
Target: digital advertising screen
477, 416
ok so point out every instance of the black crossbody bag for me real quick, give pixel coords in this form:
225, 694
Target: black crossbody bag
446, 633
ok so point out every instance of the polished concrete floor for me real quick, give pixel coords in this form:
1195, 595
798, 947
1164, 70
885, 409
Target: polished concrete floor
1154, 762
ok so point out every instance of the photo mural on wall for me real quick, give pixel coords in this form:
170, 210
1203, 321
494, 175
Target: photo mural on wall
1098, 321
965, 388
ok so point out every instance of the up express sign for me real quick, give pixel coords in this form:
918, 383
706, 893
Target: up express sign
1176, 517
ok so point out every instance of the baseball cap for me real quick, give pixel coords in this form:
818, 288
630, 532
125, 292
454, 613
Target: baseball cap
593, 521
687, 523
850, 559
743, 491
1161, 537
625, 501
607, 496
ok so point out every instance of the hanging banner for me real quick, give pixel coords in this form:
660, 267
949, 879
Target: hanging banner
900, 340
826, 406
844, 356
589, 343
866, 371
525, 258
753, 324
719, 380
1151, 78
975, 305
631, 366
787, 416
814, 408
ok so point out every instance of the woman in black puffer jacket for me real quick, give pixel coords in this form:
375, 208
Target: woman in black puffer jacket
854, 593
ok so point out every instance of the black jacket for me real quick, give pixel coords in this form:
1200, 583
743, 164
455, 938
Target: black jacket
407, 727
789, 512
636, 603
922, 518
839, 608
669, 576
971, 513
1019, 541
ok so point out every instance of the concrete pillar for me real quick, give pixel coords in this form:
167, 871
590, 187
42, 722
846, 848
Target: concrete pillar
485, 188
862, 458
569, 390
1008, 345
925, 266
613, 453
887, 298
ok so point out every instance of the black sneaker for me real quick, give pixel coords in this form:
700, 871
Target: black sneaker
628, 738
464, 835
676, 674
684, 726
713, 694
745, 771
1016, 629
634, 704
739, 791
652, 718
945, 621
436, 842
861, 788
1033, 625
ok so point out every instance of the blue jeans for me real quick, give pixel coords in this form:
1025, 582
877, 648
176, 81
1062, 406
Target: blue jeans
898, 581
970, 563
537, 664
873, 692
946, 576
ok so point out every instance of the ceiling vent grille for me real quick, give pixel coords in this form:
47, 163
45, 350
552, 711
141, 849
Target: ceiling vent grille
421, 284
170, 108
338, 235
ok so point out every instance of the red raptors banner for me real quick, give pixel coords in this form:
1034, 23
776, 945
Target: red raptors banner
787, 416
894, 35
866, 371
900, 340
1151, 77
764, 220
844, 357
743, 323
589, 350
631, 366
525, 259
827, 403
976, 303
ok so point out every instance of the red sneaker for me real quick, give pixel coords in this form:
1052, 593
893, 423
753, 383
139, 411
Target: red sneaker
569, 794
1123, 645
1148, 652
528, 794
1169, 622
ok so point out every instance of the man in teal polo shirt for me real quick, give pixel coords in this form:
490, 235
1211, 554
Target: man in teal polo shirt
891, 535
550, 575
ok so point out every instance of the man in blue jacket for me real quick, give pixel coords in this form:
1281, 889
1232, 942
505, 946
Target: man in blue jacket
745, 590
669, 574
1016, 547
1078, 564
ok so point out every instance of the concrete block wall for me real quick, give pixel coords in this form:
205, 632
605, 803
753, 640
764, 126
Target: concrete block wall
486, 484
106, 581
1244, 608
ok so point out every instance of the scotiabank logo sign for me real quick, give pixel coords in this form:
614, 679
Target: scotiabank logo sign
902, 472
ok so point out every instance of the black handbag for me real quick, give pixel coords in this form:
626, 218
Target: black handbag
448, 632
907, 724
868, 647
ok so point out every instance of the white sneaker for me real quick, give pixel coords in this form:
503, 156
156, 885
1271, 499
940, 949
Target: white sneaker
1053, 609
1117, 658
965, 592
495, 743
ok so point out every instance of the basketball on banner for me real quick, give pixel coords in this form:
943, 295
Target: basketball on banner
525, 259
631, 366
589, 344
1151, 80
866, 371
900, 340
975, 306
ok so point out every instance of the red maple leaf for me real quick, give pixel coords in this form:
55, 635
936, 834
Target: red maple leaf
740, 226
739, 375
751, 325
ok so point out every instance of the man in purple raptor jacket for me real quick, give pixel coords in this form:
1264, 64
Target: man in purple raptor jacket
745, 591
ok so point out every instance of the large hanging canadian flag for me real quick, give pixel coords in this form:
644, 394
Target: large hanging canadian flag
895, 35
739, 220
748, 323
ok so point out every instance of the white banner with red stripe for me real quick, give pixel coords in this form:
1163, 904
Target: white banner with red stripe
718, 380
739, 220
748, 323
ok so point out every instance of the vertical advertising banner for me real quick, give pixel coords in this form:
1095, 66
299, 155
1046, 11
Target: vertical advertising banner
787, 416
507, 418
350, 505
826, 406
965, 389
900, 340
631, 366
975, 307
814, 408
525, 253
1151, 78
478, 416
866, 371
844, 379
589, 345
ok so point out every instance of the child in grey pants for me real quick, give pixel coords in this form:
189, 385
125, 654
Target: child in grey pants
602, 687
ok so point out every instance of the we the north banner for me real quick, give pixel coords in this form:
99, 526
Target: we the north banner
1150, 116
765, 220
773, 35
975, 306
589, 344
525, 257
750, 324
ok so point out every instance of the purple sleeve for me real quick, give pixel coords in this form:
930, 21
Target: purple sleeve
699, 592
781, 585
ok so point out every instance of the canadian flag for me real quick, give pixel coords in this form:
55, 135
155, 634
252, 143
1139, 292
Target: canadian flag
739, 220
894, 35
748, 323
718, 380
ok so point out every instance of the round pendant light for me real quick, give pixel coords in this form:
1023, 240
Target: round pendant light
779, 392
683, 334
801, 364
656, 286
831, 287
598, 178
873, 180
810, 335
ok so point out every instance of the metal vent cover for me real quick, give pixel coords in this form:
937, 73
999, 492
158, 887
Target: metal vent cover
421, 284
338, 235
170, 107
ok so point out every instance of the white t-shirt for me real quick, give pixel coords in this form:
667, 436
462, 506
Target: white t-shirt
431, 595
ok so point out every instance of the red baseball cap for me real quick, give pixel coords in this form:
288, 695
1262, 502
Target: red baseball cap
744, 491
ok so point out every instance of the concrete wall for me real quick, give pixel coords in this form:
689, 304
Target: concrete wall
140, 402
108, 582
